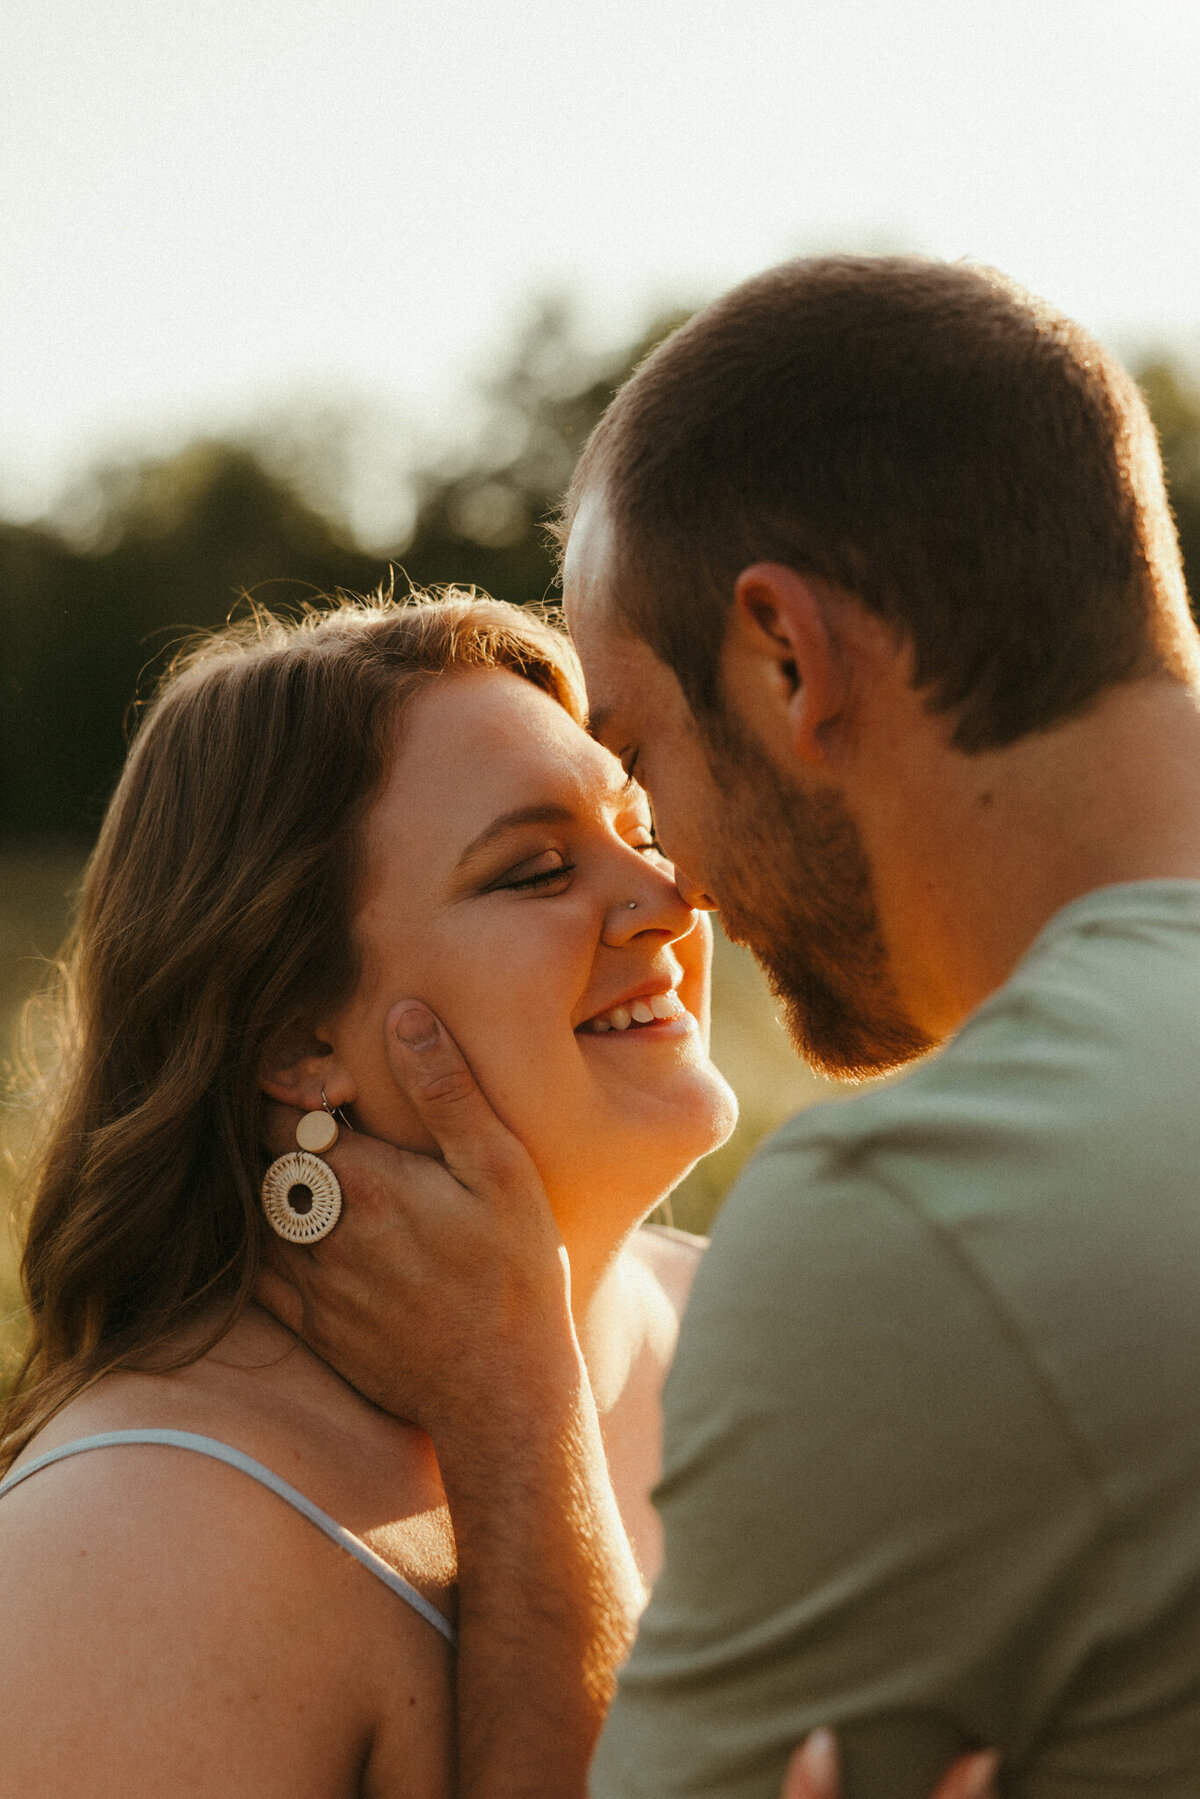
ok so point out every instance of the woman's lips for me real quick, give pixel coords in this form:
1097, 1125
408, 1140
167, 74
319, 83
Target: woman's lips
664, 1030
636, 1015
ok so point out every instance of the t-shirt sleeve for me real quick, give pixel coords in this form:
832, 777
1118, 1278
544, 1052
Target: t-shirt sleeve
875, 1517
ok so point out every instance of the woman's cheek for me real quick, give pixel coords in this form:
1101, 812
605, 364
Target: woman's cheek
518, 1040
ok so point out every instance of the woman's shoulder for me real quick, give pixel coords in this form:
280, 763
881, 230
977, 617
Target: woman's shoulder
178, 1619
671, 1257
154, 1580
260, 1427
142, 1610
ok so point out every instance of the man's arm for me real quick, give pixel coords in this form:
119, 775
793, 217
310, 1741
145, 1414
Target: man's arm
453, 1310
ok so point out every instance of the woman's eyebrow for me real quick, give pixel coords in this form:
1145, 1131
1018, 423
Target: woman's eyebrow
507, 821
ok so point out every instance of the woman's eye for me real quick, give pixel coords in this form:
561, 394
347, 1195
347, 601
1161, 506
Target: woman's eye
529, 876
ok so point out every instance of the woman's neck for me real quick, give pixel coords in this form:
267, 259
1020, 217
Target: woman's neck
606, 1301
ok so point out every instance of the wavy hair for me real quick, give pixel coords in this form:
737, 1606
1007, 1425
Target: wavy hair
216, 914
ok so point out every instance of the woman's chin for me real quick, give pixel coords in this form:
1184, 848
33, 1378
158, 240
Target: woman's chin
725, 1111
649, 1156
702, 1117
710, 1116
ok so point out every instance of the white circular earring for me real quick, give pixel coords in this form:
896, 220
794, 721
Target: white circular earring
300, 1193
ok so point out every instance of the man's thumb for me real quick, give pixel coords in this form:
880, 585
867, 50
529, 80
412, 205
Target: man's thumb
429, 1067
814, 1771
414, 1026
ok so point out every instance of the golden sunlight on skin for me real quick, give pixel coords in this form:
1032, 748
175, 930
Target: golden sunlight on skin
517, 934
638, 710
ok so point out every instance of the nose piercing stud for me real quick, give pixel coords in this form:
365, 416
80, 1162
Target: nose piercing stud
633, 905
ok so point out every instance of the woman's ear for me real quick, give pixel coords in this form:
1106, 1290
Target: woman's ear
784, 660
299, 1065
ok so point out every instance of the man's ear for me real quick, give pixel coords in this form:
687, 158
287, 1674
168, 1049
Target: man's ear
784, 661
298, 1065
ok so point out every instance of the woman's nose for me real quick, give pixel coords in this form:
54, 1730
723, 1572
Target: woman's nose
653, 902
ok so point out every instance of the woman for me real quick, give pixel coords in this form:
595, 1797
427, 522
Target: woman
313, 819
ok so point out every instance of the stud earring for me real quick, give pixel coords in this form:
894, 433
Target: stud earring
300, 1193
633, 905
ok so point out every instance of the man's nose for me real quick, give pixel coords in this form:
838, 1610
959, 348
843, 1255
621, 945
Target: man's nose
698, 898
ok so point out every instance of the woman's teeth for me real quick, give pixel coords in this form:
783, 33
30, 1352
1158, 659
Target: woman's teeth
639, 1011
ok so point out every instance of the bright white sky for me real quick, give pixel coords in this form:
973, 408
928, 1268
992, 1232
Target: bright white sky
208, 207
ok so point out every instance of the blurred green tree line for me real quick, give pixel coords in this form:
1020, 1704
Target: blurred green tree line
170, 543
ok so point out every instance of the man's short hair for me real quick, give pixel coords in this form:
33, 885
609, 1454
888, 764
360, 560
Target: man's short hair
969, 463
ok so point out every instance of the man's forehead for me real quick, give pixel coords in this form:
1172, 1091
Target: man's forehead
587, 604
588, 557
631, 694
629, 689
612, 666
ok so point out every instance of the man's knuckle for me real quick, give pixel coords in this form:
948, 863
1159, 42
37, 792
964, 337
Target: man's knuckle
501, 1169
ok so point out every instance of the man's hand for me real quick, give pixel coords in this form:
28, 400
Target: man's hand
444, 1292
813, 1773
444, 1295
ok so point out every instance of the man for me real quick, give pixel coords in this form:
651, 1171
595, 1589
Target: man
877, 592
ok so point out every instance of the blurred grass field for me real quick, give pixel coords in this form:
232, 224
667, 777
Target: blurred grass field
749, 1045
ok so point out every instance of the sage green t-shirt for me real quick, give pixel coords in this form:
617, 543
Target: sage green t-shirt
932, 1465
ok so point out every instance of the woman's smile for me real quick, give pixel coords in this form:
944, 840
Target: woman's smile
648, 1006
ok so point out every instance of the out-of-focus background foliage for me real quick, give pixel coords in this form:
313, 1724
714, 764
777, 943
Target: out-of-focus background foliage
147, 552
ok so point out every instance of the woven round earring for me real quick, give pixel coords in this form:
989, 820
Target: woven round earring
300, 1193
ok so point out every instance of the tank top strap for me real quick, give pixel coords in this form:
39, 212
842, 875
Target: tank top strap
222, 1452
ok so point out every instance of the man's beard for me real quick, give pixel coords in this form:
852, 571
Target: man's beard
790, 874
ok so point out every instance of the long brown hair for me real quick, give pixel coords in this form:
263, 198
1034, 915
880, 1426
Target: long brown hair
215, 914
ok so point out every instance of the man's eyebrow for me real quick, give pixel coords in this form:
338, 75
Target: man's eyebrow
509, 821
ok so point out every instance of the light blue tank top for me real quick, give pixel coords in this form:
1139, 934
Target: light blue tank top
221, 1452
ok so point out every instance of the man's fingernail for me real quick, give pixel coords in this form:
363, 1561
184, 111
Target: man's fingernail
415, 1026
819, 1759
981, 1776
